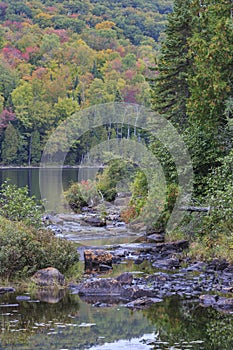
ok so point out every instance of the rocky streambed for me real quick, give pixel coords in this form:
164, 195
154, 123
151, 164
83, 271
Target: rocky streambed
211, 284
171, 272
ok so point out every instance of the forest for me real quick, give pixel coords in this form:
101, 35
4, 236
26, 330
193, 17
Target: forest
59, 57
175, 57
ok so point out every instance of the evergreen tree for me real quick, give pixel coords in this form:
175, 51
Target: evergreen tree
210, 84
170, 87
10, 145
211, 46
35, 147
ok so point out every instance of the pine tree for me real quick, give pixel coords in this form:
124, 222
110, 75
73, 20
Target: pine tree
10, 145
211, 47
210, 85
170, 87
35, 147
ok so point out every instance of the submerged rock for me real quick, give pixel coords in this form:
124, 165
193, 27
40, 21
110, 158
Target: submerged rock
4, 290
48, 277
142, 303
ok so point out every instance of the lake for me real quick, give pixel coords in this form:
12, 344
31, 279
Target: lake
49, 187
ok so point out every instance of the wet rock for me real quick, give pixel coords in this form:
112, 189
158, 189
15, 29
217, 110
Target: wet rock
95, 258
197, 266
218, 303
142, 303
125, 278
48, 277
225, 304
155, 238
124, 194
94, 221
110, 287
103, 267
177, 246
4, 290
218, 265
99, 304
167, 264
99, 287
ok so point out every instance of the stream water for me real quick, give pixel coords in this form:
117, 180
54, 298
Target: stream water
61, 320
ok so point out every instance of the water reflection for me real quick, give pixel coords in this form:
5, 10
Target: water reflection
30, 177
68, 324
71, 323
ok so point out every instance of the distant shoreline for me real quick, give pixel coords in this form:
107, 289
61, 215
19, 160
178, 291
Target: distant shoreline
50, 167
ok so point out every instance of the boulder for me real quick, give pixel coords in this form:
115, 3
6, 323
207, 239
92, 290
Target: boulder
94, 221
110, 288
48, 277
94, 259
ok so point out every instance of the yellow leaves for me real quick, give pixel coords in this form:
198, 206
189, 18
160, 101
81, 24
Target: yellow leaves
43, 15
81, 42
105, 25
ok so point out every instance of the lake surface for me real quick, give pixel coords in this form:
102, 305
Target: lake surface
54, 181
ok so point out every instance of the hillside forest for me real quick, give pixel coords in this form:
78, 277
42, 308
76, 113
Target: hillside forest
57, 57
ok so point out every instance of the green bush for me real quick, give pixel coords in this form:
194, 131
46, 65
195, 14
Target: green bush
17, 205
82, 194
117, 171
24, 250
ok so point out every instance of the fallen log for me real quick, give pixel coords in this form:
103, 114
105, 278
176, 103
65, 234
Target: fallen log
193, 209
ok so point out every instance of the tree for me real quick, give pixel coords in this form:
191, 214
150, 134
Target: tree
10, 145
170, 87
35, 148
211, 50
210, 84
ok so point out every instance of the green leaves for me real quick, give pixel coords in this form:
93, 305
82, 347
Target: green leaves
16, 205
25, 250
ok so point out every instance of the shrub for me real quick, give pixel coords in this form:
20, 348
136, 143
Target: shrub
82, 194
17, 205
24, 250
113, 174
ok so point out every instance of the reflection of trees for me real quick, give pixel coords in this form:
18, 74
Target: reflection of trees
64, 317
185, 321
31, 314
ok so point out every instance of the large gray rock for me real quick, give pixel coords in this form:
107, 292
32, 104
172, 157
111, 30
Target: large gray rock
48, 277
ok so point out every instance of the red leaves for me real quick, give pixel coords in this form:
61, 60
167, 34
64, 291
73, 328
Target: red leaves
5, 117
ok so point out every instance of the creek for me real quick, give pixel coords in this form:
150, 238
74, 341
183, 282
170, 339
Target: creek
62, 320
